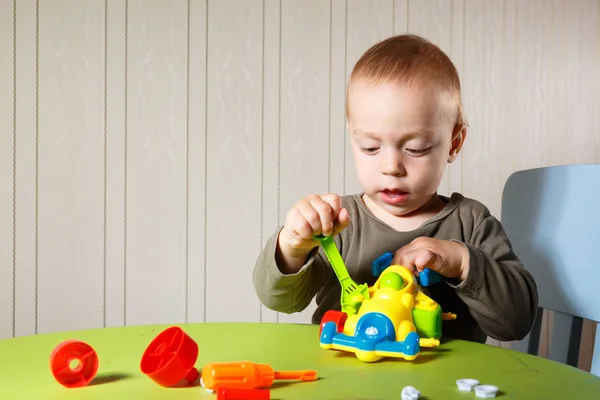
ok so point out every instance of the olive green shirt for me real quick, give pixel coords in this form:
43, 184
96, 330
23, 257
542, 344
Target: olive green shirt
498, 298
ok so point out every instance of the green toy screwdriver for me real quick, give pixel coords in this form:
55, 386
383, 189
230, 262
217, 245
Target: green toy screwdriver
352, 293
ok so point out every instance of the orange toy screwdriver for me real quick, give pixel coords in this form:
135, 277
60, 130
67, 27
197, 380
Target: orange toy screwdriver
248, 375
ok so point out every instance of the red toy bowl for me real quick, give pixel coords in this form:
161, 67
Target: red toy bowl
73, 363
170, 358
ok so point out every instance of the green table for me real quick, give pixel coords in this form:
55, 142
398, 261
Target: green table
25, 372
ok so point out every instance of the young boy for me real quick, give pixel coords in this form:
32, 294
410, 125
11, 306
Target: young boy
406, 123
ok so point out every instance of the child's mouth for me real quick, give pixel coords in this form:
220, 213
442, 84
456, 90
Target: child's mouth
393, 196
394, 192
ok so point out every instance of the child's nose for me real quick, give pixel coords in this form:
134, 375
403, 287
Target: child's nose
392, 164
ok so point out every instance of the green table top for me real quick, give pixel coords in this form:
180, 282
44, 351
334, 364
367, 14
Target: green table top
25, 372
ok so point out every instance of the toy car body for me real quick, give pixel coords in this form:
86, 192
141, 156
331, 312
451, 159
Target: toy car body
396, 320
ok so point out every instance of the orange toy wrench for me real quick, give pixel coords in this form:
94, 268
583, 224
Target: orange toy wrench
248, 375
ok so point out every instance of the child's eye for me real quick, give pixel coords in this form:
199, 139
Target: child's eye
370, 150
418, 151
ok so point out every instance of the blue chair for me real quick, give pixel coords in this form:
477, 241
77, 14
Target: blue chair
552, 217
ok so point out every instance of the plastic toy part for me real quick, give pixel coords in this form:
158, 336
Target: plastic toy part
466, 385
427, 277
169, 359
246, 375
447, 316
337, 317
410, 393
381, 263
486, 391
395, 321
352, 293
73, 363
224, 393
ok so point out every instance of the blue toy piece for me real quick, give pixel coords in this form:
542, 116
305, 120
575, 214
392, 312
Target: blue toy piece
375, 337
427, 277
381, 263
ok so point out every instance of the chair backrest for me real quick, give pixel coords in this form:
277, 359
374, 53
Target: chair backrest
552, 217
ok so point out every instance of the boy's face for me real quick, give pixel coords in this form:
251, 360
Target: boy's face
401, 137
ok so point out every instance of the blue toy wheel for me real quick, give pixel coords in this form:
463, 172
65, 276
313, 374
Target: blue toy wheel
328, 332
411, 344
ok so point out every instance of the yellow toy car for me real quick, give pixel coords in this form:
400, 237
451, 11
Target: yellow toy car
392, 318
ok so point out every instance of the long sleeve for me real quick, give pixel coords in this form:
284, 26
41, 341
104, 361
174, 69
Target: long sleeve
500, 293
287, 293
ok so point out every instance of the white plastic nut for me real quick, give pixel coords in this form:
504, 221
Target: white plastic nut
466, 385
371, 331
486, 391
410, 393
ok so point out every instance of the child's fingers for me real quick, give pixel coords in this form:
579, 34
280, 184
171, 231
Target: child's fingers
341, 217
326, 215
317, 214
406, 258
341, 222
334, 201
427, 259
328, 206
299, 226
417, 259
309, 216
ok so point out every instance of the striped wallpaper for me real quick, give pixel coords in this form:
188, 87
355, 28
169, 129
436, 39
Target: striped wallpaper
149, 148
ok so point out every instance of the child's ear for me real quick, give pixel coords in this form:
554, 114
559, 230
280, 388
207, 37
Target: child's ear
458, 139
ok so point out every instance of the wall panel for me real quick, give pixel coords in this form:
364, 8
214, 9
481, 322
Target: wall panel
71, 166
234, 158
7, 170
26, 235
155, 161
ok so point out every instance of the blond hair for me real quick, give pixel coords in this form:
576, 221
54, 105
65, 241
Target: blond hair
406, 59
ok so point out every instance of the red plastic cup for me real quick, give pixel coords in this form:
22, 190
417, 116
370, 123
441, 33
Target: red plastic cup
170, 357
74, 363
224, 393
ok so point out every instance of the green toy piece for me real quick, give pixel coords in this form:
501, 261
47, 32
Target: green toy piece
352, 293
428, 322
392, 280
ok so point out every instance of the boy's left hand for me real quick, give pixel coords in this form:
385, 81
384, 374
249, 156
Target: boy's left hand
448, 258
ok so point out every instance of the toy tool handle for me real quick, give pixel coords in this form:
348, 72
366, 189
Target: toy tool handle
333, 254
303, 375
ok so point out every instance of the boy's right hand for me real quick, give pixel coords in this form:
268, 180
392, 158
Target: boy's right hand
311, 216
